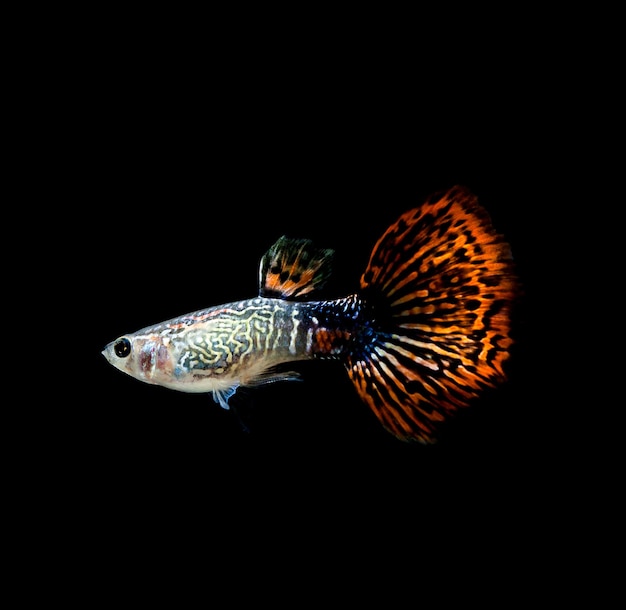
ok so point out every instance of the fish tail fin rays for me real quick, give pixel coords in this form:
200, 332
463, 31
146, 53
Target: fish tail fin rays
437, 297
294, 268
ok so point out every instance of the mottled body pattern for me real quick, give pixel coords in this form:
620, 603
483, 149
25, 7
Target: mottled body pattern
427, 331
220, 348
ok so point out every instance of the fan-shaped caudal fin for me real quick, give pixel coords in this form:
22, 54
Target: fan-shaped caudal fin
438, 289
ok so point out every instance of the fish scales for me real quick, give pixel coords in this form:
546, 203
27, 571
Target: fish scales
238, 340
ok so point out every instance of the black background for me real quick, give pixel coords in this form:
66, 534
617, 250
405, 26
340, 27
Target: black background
166, 185
178, 233
181, 208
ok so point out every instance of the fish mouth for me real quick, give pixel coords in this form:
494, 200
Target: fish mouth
106, 352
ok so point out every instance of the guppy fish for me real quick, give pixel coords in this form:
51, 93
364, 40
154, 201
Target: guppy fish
428, 329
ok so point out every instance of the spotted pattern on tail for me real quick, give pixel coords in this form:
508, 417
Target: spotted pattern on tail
439, 287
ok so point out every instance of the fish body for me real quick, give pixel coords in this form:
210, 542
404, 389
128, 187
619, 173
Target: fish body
427, 331
236, 344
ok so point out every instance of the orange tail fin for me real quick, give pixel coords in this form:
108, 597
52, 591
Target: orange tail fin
438, 290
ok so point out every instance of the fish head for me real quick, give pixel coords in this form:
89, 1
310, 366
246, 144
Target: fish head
144, 357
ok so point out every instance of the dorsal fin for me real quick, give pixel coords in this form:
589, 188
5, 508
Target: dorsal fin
294, 268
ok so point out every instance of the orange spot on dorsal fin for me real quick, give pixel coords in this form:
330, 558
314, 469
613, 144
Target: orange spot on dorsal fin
294, 268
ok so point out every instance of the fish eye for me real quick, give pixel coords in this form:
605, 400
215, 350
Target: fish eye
122, 348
